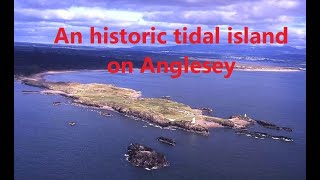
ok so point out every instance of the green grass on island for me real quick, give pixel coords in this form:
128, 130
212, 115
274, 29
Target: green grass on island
112, 96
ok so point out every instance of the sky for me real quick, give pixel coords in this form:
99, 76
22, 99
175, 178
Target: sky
39, 20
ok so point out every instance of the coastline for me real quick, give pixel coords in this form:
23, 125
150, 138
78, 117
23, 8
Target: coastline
236, 68
258, 68
239, 67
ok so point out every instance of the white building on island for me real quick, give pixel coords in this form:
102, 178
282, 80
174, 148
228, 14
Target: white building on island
193, 120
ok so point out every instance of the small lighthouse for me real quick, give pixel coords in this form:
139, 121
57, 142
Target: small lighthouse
193, 120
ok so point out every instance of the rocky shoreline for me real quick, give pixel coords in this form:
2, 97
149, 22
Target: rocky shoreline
272, 126
262, 135
145, 157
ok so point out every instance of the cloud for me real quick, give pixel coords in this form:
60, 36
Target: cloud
78, 13
43, 17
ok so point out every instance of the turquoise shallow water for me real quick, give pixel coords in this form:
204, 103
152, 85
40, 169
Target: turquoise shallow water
47, 147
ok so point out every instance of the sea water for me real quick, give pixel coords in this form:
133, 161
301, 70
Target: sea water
47, 147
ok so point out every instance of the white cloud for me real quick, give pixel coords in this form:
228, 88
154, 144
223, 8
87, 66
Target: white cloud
286, 4
32, 17
75, 13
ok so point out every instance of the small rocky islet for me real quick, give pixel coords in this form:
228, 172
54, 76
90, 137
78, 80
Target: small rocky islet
166, 97
29, 92
145, 157
72, 123
57, 103
105, 114
272, 126
166, 141
262, 135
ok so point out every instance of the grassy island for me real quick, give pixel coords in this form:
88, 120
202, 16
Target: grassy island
160, 111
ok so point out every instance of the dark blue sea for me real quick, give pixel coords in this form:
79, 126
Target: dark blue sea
46, 147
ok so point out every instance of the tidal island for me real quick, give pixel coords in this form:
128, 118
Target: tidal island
159, 111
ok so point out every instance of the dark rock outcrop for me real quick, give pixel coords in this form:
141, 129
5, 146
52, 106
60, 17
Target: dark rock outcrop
287, 129
166, 141
166, 97
56, 103
105, 114
142, 156
267, 124
272, 126
262, 135
261, 122
205, 110
72, 123
29, 92
35, 83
